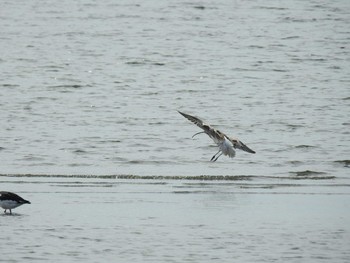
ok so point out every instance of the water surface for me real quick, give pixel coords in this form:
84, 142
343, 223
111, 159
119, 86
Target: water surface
74, 220
89, 94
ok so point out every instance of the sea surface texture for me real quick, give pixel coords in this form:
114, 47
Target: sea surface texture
90, 133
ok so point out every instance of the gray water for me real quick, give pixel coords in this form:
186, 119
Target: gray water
90, 89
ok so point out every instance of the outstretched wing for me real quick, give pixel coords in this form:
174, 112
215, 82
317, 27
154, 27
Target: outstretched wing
216, 135
240, 145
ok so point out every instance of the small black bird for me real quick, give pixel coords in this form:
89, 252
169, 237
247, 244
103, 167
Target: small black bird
10, 201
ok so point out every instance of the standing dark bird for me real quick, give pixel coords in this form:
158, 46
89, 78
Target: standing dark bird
9, 201
227, 145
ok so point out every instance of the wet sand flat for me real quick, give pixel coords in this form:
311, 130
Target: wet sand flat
125, 220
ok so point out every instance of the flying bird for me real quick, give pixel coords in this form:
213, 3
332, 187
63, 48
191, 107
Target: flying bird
10, 201
227, 145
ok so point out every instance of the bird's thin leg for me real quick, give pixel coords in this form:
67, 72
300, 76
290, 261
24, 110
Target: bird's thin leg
10, 212
212, 158
217, 157
5, 211
197, 133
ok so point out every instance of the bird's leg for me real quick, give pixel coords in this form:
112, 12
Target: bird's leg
217, 157
212, 158
5, 211
10, 212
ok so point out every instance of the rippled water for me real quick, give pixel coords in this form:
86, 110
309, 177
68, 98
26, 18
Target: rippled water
94, 88
91, 88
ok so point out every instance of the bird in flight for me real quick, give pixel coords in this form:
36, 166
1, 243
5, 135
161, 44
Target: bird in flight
227, 145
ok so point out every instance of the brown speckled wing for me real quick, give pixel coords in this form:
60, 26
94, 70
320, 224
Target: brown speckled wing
215, 134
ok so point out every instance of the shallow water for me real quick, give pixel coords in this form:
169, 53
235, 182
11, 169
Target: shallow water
89, 94
71, 220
